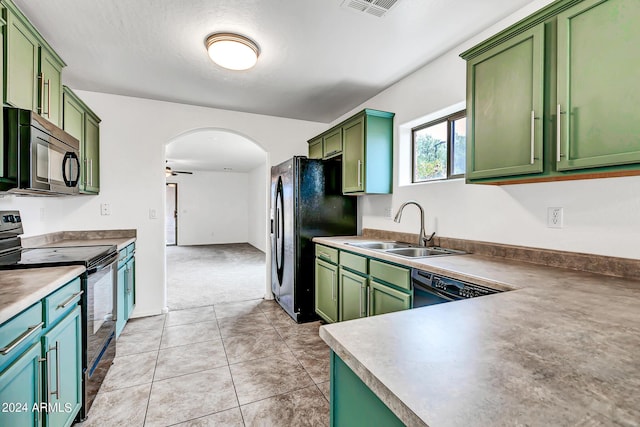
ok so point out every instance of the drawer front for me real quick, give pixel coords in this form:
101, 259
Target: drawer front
61, 301
353, 262
19, 333
327, 254
394, 275
131, 249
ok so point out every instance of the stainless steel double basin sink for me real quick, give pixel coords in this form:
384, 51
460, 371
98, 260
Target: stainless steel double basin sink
405, 250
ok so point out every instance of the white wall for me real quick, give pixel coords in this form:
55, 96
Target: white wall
134, 132
600, 216
258, 207
213, 207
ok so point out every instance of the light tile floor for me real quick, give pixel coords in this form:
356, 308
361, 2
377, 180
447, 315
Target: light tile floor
233, 364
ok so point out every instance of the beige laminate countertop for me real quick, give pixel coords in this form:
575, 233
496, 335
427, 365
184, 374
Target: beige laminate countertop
19, 289
562, 348
120, 242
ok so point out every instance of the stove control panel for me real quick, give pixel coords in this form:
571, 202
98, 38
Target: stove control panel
10, 224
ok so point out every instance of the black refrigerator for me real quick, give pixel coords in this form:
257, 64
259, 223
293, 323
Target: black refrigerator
306, 202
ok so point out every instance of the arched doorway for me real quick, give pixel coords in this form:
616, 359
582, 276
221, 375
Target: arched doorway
220, 216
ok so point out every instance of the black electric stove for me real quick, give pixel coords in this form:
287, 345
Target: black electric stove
98, 301
89, 256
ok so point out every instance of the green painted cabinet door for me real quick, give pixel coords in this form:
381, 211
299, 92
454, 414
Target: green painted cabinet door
505, 89
121, 284
63, 381
50, 99
353, 295
91, 155
332, 144
353, 404
384, 299
73, 116
20, 389
353, 145
326, 287
315, 149
21, 67
130, 290
598, 90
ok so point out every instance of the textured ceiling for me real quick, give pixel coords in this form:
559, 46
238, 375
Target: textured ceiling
318, 60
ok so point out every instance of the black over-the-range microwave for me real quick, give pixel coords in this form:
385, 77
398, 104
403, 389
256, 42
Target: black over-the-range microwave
37, 157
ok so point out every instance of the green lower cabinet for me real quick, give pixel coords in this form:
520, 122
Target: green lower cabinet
385, 299
130, 288
326, 283
20, 389
121, 280
353, 295
353, 404
63, 352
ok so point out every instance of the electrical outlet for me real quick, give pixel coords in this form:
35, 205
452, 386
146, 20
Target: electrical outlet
105, 209
554, 217
387, 212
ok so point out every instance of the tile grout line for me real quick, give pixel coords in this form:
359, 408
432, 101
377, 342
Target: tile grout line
224, 348
153, 378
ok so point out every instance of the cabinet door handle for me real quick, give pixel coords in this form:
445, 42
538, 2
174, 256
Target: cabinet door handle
533, 135
333, 286
359, 173
91, 172
57, 392
559, 114
41, 106
48, 85
70, 300
26, 334
360, 303
369, 300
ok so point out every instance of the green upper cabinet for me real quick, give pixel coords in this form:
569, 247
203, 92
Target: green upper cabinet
554, 96
353, 156
505, 92
315, 148
33, 71
21, 64
81, 122
365, 144
332, 144
50, 99
598, 90
367, 153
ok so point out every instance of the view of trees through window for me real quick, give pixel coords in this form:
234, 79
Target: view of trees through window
439, 149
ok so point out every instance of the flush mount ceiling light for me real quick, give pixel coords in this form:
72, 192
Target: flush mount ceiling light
232, 51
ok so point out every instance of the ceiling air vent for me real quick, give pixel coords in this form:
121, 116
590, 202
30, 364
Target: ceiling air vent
372, 7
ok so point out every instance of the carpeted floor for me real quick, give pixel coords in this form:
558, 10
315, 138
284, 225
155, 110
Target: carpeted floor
211, 274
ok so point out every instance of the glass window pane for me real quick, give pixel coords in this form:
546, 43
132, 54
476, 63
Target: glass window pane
459, 146
430, 145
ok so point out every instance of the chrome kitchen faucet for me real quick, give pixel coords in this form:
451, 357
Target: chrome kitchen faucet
423, 235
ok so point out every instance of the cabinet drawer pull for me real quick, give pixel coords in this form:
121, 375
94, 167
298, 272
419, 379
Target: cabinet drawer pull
324, 256
70, 300
26, 334
333, 152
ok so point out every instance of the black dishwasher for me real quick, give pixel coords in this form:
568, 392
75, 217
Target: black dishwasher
430, 289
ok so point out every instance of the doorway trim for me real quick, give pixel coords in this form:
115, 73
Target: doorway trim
175, 214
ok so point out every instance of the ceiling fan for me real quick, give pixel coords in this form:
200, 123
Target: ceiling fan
170, 172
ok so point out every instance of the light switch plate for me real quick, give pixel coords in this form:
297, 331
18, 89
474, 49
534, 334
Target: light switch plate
152, 214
